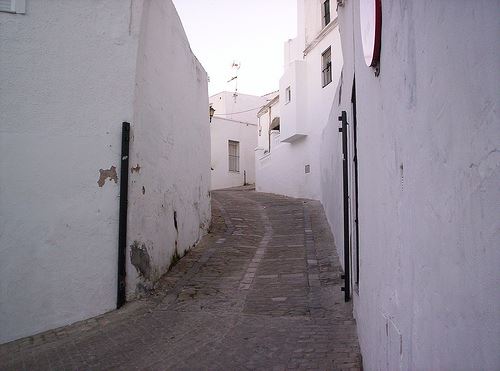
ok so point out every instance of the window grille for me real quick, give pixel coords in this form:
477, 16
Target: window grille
234, 156
326, 59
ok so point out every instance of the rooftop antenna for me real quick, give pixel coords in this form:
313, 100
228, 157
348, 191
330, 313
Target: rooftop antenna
236, 68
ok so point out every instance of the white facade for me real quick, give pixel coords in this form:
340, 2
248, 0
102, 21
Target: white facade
237, 106
428, 134
235, 120
292, 167
223, 131
71, 73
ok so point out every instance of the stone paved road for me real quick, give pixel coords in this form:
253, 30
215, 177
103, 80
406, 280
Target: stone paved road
261, 291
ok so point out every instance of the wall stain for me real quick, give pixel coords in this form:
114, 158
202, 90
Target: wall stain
105, 174
143, 190
139, 258
175, 222
136, 169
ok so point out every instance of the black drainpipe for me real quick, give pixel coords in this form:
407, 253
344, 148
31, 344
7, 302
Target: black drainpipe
122, 227
346, 275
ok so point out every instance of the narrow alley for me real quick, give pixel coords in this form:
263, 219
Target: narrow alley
261, 291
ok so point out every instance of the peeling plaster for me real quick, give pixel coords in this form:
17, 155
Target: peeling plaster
136, 169
105, 174
139, 257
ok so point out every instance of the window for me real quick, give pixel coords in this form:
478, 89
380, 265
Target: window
234, 156
326, 12
326, 59
13, 6
288, 95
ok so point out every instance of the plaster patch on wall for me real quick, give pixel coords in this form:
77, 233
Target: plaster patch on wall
105, 174
139, 258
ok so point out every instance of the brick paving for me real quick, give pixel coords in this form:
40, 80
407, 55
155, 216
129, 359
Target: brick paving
261, 291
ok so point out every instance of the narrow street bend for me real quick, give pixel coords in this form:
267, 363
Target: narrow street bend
261, 291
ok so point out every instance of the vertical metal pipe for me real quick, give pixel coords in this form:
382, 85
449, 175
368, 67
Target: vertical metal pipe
343, 130
122, 228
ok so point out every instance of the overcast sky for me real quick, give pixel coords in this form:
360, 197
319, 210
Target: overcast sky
251, 32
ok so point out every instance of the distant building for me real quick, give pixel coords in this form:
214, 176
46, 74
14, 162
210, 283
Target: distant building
233, 132
287, 159
268, 138
71, 72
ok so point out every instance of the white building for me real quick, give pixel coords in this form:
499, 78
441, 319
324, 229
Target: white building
313, 62
233, 131
423, 182
72, 72
418, 220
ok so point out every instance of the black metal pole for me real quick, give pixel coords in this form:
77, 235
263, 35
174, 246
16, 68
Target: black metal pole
122, 228
346, 276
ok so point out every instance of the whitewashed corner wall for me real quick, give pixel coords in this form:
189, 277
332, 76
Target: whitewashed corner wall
221, 131
170, 149
67, 83
429, 170
60, 122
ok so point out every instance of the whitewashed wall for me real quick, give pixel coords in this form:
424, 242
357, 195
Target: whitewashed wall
235, 119
242, 107
265, 117
67, 83
221, 131
170, 149
305, 117
428, 137
60, 122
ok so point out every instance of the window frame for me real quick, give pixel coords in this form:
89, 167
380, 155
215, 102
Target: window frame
16, 7
288, 94
233, 159
326, 67
326, 14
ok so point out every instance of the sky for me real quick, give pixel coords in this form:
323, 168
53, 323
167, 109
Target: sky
249, 32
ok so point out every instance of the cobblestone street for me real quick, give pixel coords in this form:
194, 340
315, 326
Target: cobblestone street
261, 291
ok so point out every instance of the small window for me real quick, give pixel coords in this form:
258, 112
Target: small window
326, 61
234, 156
288, 95
326, 12
13, 6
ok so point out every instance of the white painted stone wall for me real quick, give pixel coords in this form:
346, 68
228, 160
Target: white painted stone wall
237, 106
429, 170
221, 131
235, 119
67, 82
170, 148
265, 117
304, 118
